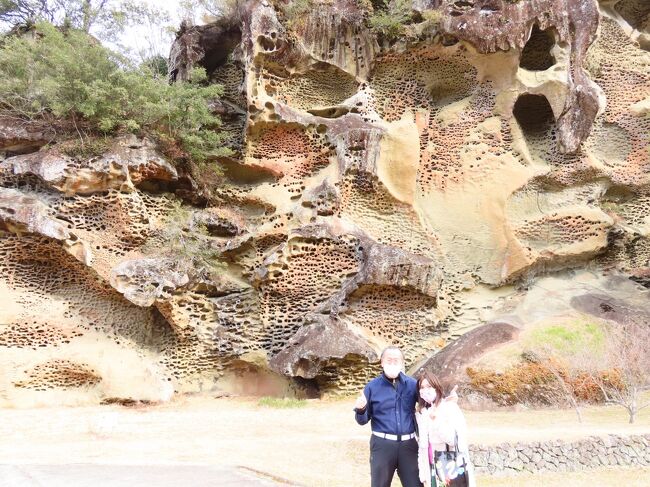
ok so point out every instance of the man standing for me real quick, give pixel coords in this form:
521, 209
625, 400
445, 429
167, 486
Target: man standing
388, 402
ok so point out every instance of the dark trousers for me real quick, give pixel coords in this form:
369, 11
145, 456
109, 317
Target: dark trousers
386, 456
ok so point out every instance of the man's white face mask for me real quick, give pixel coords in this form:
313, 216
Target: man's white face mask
392, 370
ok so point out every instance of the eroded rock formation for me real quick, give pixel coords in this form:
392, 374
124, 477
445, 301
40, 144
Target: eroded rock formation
380, 192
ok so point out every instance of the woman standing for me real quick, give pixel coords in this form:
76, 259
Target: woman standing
443, 451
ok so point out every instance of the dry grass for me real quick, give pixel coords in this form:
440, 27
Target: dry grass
490, 427
318, 444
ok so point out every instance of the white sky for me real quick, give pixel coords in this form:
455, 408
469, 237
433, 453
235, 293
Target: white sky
148, 38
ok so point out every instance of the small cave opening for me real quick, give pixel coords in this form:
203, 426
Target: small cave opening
491, 6
536, 55
641, 280
222, 229
534, 115
332, 112
156, 186
243, 174
221, 45
217, 40
618, 194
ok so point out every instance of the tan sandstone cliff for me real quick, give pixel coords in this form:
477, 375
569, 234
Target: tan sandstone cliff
380, 191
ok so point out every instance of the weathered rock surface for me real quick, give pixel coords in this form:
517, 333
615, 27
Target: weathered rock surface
19, 138
143, 281
327, 343
379, 192
128, 162
449, 364
21, 213
571, 301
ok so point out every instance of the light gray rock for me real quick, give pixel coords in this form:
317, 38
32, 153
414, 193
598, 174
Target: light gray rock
144, 281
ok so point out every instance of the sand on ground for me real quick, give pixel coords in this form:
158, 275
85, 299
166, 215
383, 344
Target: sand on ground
318, 444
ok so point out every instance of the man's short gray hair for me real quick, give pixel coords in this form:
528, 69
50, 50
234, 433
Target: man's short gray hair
390, 347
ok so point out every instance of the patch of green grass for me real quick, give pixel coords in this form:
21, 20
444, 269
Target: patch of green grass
297, 10
390, 20
434, 16
281, 402
85, 148
570, 338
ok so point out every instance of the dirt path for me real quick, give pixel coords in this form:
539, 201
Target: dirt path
319, 444
128, 475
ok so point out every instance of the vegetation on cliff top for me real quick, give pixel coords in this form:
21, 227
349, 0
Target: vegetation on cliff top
52, 74
55, 72
388, 19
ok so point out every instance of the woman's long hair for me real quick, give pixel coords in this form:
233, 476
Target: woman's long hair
427, 375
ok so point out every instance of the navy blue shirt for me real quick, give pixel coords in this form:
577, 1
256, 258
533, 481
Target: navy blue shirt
390, 409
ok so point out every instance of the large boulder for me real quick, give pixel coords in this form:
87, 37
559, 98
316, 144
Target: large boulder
449, 363
317, 345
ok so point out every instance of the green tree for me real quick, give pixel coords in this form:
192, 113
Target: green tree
155, 32
105, 19
79, 14
14, 12
52, 75
157, 64
209, 10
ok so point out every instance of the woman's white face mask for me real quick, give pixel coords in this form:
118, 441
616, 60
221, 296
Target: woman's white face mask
428, 394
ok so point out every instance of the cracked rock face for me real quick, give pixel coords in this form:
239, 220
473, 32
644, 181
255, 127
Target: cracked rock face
380, 192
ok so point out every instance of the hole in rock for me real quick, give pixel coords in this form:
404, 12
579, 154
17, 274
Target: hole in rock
223, 230
266, 43
536, 55
330, 112
246, 174
534, 115
490, 6
23, 149
218, 41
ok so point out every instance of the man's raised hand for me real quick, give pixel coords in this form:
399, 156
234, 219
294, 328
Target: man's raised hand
361, 402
